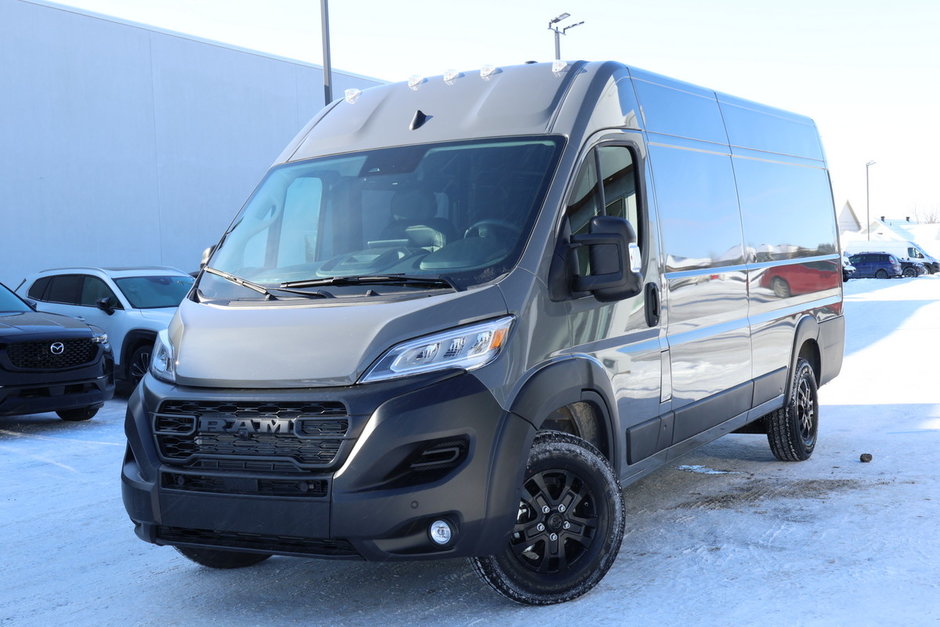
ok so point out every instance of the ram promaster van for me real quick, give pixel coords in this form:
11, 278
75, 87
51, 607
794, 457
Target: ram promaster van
459, 314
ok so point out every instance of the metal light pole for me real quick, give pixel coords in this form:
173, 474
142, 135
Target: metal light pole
867, 202
560, 31
327, 68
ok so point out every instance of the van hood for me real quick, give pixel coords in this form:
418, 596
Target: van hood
314, 344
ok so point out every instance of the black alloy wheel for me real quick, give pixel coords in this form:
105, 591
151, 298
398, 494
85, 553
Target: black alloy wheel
139, 363
568, 528
793, 429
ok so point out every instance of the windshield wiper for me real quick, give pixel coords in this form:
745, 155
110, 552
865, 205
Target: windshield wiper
243, 282
376, 279
262, 289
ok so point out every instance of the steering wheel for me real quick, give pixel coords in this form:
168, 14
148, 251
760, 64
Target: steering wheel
481, 227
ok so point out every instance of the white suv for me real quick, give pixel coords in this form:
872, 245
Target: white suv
131, 304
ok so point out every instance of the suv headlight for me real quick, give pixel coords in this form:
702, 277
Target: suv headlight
99, 337
163, 362
468, 347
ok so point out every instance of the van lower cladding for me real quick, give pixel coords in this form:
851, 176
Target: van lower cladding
458, 316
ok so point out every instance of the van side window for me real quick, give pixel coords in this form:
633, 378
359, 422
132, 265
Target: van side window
619, 177
613, 193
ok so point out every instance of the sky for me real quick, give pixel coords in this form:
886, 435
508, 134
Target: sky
868, 72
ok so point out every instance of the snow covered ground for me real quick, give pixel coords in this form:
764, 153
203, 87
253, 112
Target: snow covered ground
726, 536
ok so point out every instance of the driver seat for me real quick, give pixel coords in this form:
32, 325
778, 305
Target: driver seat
414, 218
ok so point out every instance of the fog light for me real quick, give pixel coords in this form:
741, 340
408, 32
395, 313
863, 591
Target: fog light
441, 532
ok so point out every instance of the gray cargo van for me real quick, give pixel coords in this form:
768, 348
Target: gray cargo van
458, 315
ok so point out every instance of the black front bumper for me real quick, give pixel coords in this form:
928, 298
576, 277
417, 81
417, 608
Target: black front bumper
33, 392
416, 451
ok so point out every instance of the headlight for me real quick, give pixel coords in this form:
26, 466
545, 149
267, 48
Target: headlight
468, 347
99, 337
163, 363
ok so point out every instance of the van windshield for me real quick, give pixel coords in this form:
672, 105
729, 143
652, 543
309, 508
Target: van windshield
460, 212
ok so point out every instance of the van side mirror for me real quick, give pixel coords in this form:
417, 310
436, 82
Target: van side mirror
205, 257
611, 277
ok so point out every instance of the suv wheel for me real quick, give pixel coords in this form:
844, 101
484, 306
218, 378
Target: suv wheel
792, 429
568, 529
74, 415
214, 558
139, 364
881, 274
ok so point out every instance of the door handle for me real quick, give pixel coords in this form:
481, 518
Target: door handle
651, 292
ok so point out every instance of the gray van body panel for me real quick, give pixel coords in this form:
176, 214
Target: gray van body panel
723, 342
741, 276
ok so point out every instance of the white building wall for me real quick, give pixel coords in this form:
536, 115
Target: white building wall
122, 145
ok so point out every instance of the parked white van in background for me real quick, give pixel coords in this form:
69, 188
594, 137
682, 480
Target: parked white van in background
458, 315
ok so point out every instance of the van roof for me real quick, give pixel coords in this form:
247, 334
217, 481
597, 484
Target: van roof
543, 98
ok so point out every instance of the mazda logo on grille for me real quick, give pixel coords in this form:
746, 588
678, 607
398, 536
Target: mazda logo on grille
57, 348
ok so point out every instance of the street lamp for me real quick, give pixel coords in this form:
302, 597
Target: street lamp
560, 31
327, 66
868, 202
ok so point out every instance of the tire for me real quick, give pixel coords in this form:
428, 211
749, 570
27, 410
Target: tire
881, 274
215, 558
139, 364
780, 287
544, 561
792, 430
74, 415
909, 272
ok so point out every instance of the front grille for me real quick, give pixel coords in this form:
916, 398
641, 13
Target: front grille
220, 484
290, 545
309, 434
40, 355
243, 465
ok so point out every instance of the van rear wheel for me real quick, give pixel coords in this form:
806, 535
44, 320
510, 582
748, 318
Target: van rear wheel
792, 429
881, 274
568, 529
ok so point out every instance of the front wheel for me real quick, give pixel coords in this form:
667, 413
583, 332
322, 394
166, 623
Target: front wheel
792, 429
909, 272
568, 529
214, 558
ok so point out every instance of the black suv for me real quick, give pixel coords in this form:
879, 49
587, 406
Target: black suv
50, 362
